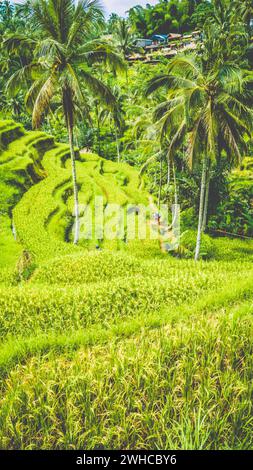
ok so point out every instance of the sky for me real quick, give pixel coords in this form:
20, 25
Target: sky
118, 6
121, 6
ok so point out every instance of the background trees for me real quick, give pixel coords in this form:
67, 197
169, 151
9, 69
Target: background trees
166, 16
64, 73
207, 110
62, 63
124, 38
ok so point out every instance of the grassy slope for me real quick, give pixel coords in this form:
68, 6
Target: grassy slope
36, 183
109, 349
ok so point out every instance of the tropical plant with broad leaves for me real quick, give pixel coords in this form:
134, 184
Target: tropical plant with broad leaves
208, 110
65, 51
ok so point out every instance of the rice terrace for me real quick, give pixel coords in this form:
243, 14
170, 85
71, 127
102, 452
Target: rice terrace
126, 342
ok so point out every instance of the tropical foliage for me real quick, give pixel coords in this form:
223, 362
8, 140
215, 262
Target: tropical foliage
120, 343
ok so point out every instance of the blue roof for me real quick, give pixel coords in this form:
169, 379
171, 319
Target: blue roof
160, 36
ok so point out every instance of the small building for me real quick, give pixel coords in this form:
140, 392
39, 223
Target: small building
159, 38
143, 42
187, 40
196, 34
136, 58
153, 47
189, 46
187, 36
174, 45
174, 36
169, 53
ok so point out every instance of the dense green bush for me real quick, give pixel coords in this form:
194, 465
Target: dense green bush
188, 244
234, 213
188, 219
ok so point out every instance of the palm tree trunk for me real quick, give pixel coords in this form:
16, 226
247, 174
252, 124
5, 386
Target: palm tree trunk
73, 165
168, 173
98, 128
117, 144
127, 78
206, 202
160, 184
175, 185
168, 180
201, 209
76, 138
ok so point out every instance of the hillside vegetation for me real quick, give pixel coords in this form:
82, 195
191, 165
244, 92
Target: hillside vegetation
37, 195
119, 348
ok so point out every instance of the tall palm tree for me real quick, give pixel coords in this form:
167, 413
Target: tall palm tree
209, 110
124, 39
123, 36
65, 49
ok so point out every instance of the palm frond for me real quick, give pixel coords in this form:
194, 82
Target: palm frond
150, 160
98, 88
43, 100
176, 140
186, 66
98, 51
157, 82
87, 15
20, 78
14, 42
45, 17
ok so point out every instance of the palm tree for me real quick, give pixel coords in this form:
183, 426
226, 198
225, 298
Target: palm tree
123, 36
64, 51
245, 10
124, 39
115, 119
225, 35
152, 145
209, 110
138, 19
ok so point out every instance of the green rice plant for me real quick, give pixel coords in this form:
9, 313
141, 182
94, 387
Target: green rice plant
179, 387
125, 347
20, 168
29, 309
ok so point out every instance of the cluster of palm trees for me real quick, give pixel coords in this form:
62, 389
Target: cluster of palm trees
66, 51
206, 107
208, 103
208, 110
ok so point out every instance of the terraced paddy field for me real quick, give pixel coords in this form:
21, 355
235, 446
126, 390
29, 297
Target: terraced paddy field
120, 348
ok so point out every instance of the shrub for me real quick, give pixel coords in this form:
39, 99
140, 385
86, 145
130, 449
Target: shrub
188, 245
188, 219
